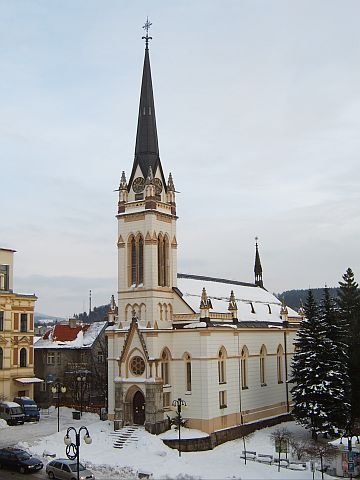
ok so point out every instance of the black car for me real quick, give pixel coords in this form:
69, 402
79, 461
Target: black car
18, 459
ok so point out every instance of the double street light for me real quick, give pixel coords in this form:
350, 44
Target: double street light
179, 404
73, 449
58, 388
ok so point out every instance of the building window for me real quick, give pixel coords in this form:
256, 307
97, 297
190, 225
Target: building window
137, 365
244, 367
50, 358
1, 358
222, 399
100, 356
163, 261
23, 355
263, 366
23, 322
136, 260
1, 321
58, 358
4, 277
188, 373
221, 366
165, 357
279, 364
166, 399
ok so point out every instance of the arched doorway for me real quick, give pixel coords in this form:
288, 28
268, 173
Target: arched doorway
138, 408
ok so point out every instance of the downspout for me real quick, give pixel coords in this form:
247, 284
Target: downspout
285, 325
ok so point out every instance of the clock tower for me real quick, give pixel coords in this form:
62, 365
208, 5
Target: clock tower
147, 246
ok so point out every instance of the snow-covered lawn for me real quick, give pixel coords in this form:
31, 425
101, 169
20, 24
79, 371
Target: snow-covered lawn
151, 455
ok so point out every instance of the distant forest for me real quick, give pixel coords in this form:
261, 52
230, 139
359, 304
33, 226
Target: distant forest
294, 297
98, 314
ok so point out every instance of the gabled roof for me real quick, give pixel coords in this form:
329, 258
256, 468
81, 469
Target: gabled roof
63, 336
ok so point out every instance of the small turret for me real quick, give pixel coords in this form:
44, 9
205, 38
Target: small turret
258, 267
205, 305
284, 311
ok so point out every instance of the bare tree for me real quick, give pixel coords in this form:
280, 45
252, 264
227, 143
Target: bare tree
323, 451
281, 437
300, 448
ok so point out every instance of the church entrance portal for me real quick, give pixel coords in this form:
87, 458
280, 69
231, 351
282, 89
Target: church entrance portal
139, 408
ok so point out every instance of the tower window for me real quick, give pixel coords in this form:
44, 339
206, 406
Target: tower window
136, 260
163, 261
4, 277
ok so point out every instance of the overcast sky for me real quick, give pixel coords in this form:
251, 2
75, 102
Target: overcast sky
258, 115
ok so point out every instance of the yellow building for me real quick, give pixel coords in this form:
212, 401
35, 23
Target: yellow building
16, 334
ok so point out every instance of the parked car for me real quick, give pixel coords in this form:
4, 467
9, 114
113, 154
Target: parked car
29, 408
18, 459
65, 469
12, 413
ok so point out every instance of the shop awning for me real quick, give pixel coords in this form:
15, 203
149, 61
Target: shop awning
29, 380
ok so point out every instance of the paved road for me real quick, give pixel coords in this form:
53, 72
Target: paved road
10, 475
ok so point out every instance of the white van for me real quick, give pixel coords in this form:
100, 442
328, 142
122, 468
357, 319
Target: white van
12, 413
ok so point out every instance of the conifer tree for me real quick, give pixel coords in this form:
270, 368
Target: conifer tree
336, 362
309, 371
349, 307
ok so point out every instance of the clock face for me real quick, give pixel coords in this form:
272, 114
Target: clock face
138, 184
158, 186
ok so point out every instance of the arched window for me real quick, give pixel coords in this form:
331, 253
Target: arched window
222, 366
136, 260
263, 366
163, 261
279, 364
188, 372
165, 370
23, 355
1, 358
244, 367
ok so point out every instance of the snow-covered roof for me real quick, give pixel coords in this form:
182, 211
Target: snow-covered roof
65, 336
253, 302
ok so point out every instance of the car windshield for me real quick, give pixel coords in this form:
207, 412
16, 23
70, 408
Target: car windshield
30, 408
73, 467
23, 456
16, 410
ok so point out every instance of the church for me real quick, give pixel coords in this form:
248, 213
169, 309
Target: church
221, 348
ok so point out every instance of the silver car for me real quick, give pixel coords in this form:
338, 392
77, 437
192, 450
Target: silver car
65, 469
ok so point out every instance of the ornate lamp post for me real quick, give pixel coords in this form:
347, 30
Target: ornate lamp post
73, 449
348, 436
178, 404
81, 379
58, 388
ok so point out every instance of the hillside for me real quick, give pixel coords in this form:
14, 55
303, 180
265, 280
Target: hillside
294, 297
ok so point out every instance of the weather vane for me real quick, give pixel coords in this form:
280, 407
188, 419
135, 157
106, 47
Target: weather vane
146, 27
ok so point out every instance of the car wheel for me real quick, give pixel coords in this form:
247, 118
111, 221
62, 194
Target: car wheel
22, 470
51, 475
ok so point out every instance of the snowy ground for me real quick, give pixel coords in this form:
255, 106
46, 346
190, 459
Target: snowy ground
151, 455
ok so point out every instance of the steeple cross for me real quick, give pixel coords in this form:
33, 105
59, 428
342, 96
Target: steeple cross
146, 27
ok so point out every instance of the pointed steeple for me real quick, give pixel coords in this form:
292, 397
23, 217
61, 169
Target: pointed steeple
258, 267
146, 147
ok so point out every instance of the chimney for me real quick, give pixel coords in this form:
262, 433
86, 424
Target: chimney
72, 322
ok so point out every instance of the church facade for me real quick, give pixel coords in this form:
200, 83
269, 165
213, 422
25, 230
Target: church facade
222, 347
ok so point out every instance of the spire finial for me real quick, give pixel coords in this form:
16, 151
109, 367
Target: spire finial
146, 27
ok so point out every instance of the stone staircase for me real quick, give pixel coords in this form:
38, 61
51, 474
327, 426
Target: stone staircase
126, 435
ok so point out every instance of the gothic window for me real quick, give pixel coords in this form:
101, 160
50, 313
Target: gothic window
1, 321
221, 366
23, 322
279, 364
137, 365
188, 372
163, 261
23, 359
222, 399
165, 371
4, 277
244, 367
263, 366
136, 260
1, 358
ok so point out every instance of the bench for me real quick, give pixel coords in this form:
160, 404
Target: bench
248, 454
284, 462
297, 466
264, 458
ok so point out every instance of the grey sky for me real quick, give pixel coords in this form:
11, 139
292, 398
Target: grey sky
258, 114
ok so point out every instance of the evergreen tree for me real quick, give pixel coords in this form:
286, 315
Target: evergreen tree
309, 372
349, 307
336, 363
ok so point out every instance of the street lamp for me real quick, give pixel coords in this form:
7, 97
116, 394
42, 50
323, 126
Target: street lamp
81, 379
73, 449
348, 435
58, 388
179, 403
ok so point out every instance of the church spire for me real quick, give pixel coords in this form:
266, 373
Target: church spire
146, 147
258, 267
